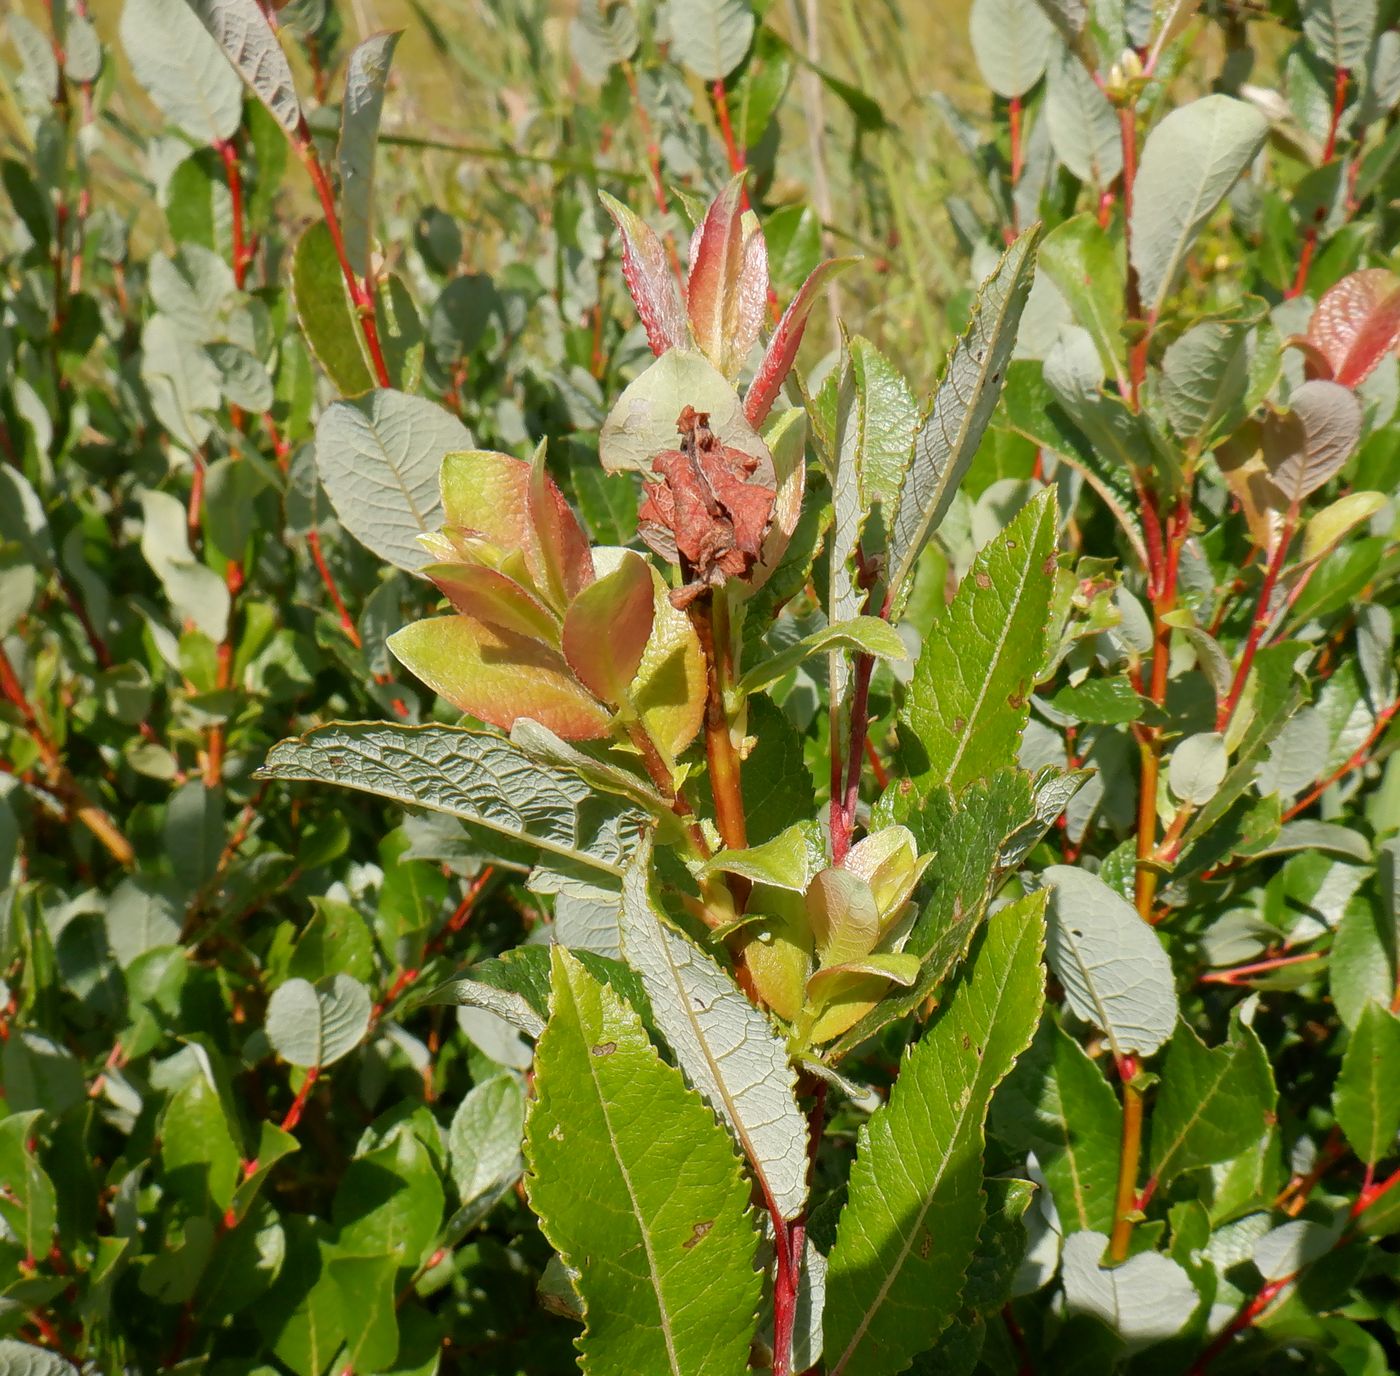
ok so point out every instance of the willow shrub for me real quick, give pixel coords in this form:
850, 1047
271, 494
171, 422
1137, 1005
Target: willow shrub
955, 833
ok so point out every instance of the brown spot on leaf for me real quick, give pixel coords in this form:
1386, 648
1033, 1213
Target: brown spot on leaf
967, 1042
605, 1048
1050, 565
925, 1246
959, 723
983, 580
1015, 701
698, 1232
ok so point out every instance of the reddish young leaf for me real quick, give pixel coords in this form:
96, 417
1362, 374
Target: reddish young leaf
498, 676
566, 562
650, 279
607, 627
1357, 323
492, 597
487, 492
781, 352
714, 290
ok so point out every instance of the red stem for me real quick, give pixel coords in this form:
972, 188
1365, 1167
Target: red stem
289, 1123
1238, 974
1260, 624
1356, 761
1340, 80
241, 255
726, 128
360, 296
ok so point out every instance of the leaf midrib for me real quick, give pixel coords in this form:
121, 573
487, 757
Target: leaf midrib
897, 1268
661, 1309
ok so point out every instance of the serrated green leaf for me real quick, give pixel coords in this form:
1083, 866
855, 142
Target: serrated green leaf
1340, 31
474, 775
1113, 967
962, 406
639, 1190
970, 697
910, 1225
1214, 1102
1366, 1099
724, 1044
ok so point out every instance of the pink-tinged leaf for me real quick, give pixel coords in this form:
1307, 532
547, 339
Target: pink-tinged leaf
607, 627
565, 559
487, 492
1357, 323
650, 279
498, 676
712, 292
492, 597
1308, 444
751, 305
781, 353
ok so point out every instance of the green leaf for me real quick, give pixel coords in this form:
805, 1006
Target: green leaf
910, 1226
1362, 966
1197, 768
181, 68
198, 1152
962, 406
389, 1201
1011, 40
1081, 260
970, 840
28, 1202
1366, 1098
325, 312
1102, 701
722, 1042
1213, 1103
474, 775
711, 37
1205, 376
1114, 970
1058, 1104
642, 421
862, 634
20, 1359
639, 1190
970, 697
315, 1026
483, 1141
786, 861
366, 1289
379, 458
1190, 161
1340, 31
194, 832
366, 75
522, 975
241, 29
1145, 1300
1325, 531
1083, 126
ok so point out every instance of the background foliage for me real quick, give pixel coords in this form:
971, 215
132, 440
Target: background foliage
236, 1139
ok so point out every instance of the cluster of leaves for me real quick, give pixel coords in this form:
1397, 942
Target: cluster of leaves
756, 845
